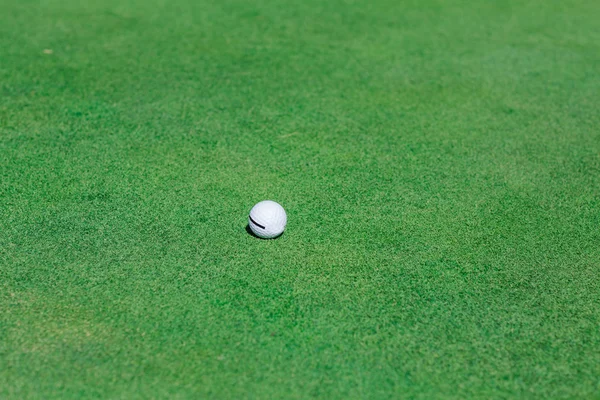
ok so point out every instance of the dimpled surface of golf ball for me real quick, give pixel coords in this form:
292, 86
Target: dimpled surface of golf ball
267, 219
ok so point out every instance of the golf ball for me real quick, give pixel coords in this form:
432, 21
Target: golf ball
267, 219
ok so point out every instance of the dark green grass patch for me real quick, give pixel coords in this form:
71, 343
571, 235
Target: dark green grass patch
439, 162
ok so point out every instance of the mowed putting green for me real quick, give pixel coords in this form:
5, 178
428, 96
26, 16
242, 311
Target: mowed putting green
439, 163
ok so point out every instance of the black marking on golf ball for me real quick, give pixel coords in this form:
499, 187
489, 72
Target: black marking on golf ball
256, 223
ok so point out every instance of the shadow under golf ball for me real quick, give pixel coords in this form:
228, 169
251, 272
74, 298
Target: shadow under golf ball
258, 237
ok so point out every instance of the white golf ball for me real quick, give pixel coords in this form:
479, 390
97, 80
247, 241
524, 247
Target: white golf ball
267, 219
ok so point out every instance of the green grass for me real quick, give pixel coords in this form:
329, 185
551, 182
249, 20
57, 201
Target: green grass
439, 162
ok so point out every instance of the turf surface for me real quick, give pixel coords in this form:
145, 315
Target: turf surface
439, 162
